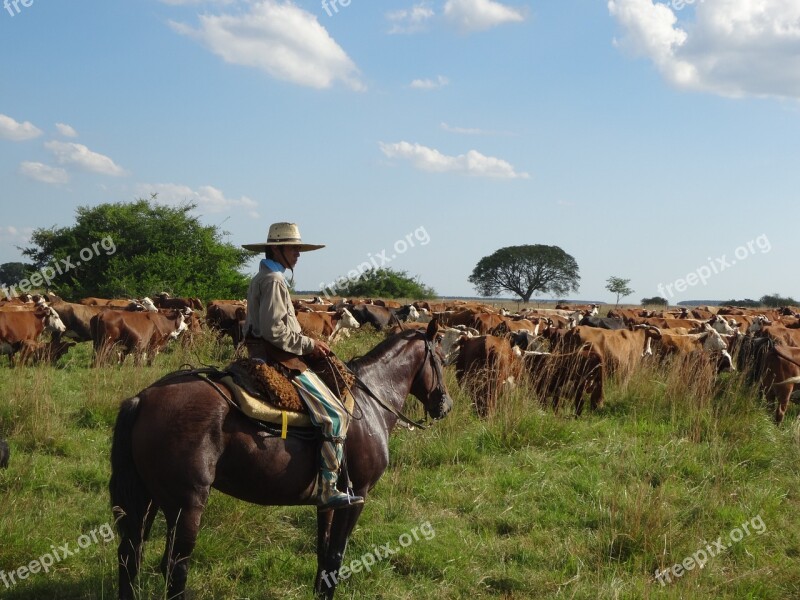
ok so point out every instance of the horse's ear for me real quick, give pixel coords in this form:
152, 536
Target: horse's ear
433, 329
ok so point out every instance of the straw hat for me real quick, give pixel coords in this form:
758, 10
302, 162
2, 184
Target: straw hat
283, 234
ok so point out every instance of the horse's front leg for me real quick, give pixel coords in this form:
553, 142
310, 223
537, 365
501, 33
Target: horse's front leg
324, 520
329, 561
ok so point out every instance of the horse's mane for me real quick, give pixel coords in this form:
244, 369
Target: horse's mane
359, 362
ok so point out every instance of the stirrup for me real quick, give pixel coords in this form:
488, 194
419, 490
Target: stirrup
333, 499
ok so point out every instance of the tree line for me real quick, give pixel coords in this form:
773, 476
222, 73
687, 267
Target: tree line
164, 248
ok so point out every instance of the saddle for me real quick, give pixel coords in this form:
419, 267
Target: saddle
266, 393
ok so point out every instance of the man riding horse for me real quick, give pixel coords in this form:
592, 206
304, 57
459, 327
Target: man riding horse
274, 335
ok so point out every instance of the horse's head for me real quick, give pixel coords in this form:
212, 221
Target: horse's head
429, 386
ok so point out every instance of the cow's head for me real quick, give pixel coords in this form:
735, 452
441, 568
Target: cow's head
712, 340
450, 341
52, 322
180, 323
758, 324
720, 325
347, 320
148, 305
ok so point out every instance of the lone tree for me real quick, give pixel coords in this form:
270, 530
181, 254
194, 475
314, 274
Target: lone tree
618, 286
525, 270
138, 249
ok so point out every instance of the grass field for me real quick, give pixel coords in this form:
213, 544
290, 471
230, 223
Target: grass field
526, 504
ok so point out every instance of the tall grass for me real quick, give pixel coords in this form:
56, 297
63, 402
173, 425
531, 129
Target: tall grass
524, 504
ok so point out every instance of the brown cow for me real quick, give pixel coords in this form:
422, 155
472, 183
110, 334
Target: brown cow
163, 300
227, 318
327, 325
484, 322
511, 325
710, 343
454, 318
485, 364
558, 375
621, 349
780, 335
781, 374
76, 318
115, 302
17, 327
141, 333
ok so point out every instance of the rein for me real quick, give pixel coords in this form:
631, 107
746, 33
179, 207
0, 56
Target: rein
388, 407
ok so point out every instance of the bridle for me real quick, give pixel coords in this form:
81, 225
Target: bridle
437, 368
430, 351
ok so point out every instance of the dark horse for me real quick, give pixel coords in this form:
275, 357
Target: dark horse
179, 438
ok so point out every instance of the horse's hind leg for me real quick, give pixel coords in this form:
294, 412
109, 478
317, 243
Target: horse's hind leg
182, 528
131, 547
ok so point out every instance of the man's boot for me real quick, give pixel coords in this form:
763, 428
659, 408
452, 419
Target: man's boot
329, 496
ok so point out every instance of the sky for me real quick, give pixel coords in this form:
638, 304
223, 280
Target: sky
653, 141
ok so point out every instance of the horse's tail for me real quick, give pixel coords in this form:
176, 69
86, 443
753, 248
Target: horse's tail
129, 497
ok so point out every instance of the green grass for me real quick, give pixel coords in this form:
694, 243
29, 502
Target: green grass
526, 504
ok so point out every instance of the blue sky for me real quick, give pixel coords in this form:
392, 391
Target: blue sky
656, 141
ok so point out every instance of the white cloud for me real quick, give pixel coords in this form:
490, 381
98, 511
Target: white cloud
478, 15
17, 132
429, 84
66, 130
730, 47
412, 20
207, 198
44, 173
280, 39
68, 153
472, 163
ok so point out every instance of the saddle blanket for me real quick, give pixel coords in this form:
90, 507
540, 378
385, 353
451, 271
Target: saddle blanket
279, 402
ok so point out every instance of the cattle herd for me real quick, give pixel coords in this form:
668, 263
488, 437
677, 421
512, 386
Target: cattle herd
568, 352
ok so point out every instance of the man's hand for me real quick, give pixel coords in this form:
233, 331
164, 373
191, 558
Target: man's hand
321, 349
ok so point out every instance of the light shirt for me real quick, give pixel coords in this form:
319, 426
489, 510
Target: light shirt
270, 314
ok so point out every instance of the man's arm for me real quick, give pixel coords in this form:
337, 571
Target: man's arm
274, 311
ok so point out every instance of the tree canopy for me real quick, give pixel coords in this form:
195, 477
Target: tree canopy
776, 300
619, 286
138, 249
11, 273
384, 283
525, 270
745, 303
658, 300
